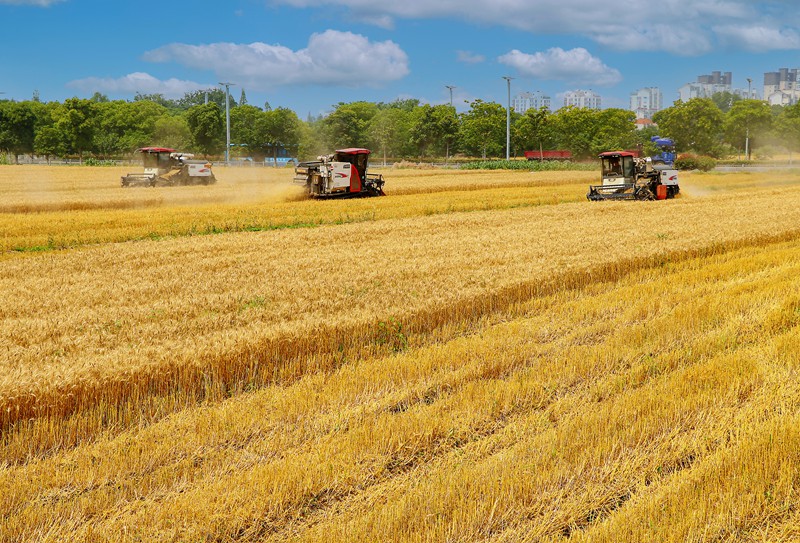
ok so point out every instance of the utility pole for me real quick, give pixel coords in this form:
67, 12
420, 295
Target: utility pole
447, 152
508, 118
227, 122
747, 126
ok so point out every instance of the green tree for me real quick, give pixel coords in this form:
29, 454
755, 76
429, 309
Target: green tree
47, 141
76, 123
446, 120
532, 131
159, 99
725, 100
17, 128
748, 119
575, 129
385, 130
200, 97
172, 131
694, 125
281, 127
348, 124
207, 127
787, 127
433, 129
615, 130
126, 126
247, 128
483, 129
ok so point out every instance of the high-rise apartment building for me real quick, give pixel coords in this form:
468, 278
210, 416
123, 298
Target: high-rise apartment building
706, 86
582, 98
782, 88
646, 102
524, 101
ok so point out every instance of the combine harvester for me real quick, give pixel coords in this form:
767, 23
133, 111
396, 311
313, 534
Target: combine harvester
342, 174
627, 177
165, 167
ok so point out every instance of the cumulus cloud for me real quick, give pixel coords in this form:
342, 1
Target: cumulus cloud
138, 82
759, 38
684, 27
574, 66
332, 57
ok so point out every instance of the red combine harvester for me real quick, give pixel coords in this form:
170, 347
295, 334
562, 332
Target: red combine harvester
342, 174
628, 177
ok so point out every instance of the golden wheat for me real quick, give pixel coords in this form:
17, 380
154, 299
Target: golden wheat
579, 418
616, 371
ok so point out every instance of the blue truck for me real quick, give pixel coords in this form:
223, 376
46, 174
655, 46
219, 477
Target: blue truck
667, 155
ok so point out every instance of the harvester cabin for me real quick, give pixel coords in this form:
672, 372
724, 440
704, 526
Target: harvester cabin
618, 165
355, 156
157, 157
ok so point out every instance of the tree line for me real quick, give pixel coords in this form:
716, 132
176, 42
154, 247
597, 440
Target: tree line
404, 129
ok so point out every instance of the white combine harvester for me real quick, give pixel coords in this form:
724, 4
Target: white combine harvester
164, 167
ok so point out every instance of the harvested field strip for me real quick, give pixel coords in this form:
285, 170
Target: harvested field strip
45, 221
549, 425
145, 343
62, 230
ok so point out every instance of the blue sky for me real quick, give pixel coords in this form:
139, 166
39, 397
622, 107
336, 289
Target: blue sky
308, 55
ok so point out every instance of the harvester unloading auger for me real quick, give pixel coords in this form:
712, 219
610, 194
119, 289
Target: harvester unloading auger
165, 167
342, 174
627, 177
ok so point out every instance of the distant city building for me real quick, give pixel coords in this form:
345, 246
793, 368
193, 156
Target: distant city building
641, 124
781, 87
524, 101
706, 86
582, 98
646, 102
750, 94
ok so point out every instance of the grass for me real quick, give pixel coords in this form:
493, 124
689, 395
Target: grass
622, 371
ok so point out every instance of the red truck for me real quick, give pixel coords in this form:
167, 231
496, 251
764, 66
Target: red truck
548, 155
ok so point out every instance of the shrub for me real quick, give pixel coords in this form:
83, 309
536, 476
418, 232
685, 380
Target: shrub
695, 162
91, 161
531, 165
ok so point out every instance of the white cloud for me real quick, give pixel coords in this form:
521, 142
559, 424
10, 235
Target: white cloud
469, 58
684, 27
39, 3
332, 57
576, 66
759, 38
138, 82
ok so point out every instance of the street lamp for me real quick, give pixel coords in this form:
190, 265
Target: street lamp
508, 118
450, 88
227, 122
747, 126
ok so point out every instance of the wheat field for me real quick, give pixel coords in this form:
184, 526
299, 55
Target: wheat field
478, 356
